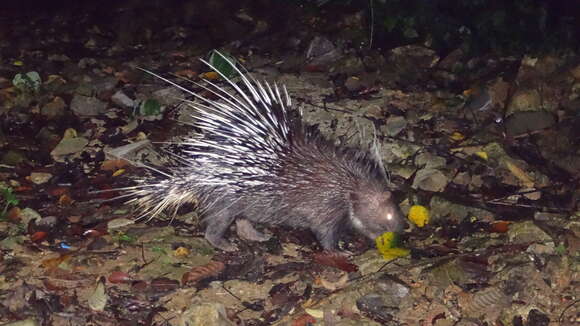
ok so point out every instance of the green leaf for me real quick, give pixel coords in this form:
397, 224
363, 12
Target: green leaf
29, 82
150, 107
9, 197
223, 63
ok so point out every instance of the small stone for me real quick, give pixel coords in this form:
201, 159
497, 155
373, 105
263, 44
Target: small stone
40, 177
525, 100
526, 232
28, 214
122, 100
87, 106
54, 109
395, 125
430, 180
537, 318
353, 84
48, 221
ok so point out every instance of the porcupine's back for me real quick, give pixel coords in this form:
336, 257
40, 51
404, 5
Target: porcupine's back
254, 162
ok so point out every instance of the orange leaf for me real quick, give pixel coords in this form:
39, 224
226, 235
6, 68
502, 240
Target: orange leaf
38, 236
13, 214
336, 260
120, 277
213, 268
500, 226
304, 320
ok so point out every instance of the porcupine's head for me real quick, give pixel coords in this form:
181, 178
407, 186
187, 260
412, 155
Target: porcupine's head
372, 206
374, 212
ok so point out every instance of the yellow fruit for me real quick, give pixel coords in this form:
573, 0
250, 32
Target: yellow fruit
387, 245
419, 215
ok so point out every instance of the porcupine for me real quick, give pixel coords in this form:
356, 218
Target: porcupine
255, 161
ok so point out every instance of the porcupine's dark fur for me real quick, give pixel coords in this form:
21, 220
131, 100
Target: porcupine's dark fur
253, 162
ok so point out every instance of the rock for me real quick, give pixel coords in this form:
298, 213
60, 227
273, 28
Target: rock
322, 51
207, 314
524, 232
525, 100
395, 125
122, 100
525, 122
537, 318
353, 84
12, 158
87, 106
54, 109
40, 177
430, 180
48, 222
29, 214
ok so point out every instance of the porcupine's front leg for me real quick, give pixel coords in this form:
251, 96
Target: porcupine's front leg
327, 236
216, 227
246, 231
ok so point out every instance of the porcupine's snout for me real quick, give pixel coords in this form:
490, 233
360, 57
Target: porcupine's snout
375, 212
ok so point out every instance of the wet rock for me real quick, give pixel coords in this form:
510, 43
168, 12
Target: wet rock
87, 106
122, 100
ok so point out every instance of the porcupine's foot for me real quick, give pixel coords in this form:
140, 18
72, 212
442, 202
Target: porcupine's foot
215, 230
220, 243
327, 238
246, 231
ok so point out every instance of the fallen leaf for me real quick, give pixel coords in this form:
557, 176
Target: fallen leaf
213, 268
38, 236
120, 277
500, 226
336, 260
98, 299
212, 75
304, 320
